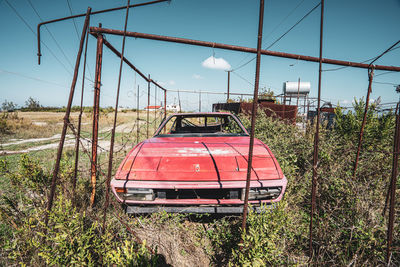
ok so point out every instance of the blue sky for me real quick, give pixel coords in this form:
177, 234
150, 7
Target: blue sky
354, 31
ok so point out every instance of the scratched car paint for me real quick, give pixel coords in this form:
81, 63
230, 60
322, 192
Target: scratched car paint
197, 162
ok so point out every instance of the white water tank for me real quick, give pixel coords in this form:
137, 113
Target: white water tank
294, 88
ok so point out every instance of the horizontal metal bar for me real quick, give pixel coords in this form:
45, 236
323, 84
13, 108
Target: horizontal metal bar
101, 11
39, 54
241, 49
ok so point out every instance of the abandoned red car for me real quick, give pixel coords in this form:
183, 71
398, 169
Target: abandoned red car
197, 162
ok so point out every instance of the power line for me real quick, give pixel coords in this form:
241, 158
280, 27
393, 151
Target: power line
32, 78
276, 27
77, 34
283, 35
51, 35
373, 58
73, 20
30, 28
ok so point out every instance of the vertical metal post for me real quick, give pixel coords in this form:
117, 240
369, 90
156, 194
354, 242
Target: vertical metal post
393, 183
360, 138
179, 100
66, 119
148, 107
165, 104
78, 135
110, 156
298, 93
155, 108
137, 116
253, 114
200, 101
229, 81
316, 137
96, 108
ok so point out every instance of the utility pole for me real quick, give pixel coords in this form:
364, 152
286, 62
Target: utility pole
229, 81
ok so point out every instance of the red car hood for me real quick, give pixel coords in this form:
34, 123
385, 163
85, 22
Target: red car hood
198, 159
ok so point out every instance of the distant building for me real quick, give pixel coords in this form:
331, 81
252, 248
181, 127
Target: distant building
153, 107
173, 108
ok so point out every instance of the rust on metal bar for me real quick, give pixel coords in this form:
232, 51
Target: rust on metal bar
148, 107
78, 135
360, 138
116, 52
137, 116
316, 137
66, 119
95, 128
165, 105
155, 109
110, 156
253, 114
229, 81
393, 183
82, 15
241, 49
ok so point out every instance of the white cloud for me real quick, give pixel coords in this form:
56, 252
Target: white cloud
197, 76
216, 63
344, 102
171, 82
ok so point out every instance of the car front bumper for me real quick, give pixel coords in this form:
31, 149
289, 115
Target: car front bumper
196, 202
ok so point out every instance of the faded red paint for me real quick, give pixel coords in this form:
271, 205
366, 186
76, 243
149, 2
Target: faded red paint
196, 163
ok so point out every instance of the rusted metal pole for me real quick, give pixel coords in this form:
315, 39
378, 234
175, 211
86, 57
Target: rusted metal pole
118, 54
148, 107
179, 101
253, 114
165, 104
78, 135
200, 101
229, 81
316, 137
298, 93
360, 138
393, 183
137, 116
96, 108
66, 119
241, 49
155, 109
110, 156
82, 15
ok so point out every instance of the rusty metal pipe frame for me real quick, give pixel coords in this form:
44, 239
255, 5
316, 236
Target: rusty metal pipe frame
137, 116
253, 114
165, 105
393, 182
66, 119
110, 156
78, 136
360, 138
148, 105
83, 14
240, 48
96, 111
118, 54
316, 137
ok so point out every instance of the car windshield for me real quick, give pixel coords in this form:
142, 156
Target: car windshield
201, 125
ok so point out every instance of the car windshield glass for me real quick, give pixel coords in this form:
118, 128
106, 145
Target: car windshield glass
201, 125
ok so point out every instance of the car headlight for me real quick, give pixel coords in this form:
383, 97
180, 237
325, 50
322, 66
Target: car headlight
136, 193
262, 193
